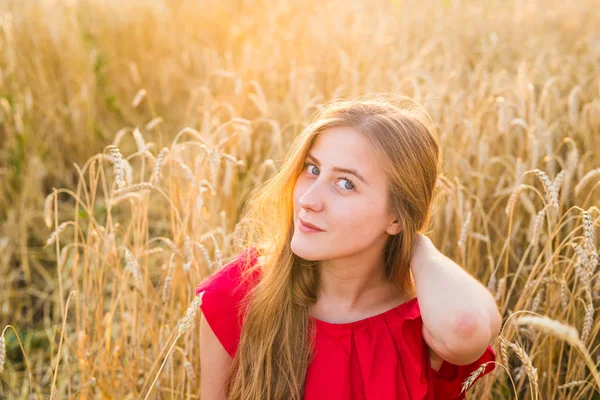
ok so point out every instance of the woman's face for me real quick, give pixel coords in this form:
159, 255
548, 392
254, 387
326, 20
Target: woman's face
350, 207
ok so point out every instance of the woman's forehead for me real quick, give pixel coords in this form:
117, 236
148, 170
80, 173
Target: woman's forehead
332, 141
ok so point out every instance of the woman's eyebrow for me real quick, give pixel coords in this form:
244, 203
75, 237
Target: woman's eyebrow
339, 169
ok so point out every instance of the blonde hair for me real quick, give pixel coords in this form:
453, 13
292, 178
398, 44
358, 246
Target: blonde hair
275, 347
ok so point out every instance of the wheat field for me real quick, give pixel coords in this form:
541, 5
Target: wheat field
131, 133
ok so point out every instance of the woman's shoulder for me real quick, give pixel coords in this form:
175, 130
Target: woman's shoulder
225, 295
232, 277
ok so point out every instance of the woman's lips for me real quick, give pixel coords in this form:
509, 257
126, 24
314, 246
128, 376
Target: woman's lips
307, 229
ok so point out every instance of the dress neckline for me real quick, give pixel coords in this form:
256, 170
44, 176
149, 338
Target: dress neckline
331, 326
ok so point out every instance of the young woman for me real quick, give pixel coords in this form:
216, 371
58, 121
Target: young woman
338, 295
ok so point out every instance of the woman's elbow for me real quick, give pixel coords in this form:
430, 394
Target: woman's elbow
473, 333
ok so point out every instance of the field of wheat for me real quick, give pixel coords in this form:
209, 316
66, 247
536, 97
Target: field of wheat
132, 132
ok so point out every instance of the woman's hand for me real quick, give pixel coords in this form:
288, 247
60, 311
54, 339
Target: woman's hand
423, 248
421, 240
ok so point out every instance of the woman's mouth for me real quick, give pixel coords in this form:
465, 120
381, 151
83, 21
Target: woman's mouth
308, 228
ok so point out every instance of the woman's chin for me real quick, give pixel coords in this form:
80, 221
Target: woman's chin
304, 250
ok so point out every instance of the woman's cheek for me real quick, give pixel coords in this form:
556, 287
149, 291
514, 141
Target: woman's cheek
346, 218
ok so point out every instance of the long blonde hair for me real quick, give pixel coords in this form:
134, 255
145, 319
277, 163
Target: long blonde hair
275, 347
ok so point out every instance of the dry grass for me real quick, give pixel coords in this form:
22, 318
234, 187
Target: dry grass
131, 132
2, 352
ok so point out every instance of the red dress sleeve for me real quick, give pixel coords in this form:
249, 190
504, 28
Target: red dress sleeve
448, 381
224, 292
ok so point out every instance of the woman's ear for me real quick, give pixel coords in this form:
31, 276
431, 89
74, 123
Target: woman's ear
395, 227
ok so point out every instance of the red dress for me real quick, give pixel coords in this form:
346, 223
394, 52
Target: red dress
377, 358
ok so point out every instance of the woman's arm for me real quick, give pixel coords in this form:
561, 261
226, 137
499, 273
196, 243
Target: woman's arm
214, 364
460, 316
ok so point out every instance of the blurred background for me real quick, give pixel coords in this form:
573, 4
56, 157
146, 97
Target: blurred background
131, 133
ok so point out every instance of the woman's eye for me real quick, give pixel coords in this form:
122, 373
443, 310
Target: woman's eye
311, 165
349, 185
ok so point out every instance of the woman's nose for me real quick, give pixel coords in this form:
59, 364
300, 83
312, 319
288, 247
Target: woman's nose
312, 197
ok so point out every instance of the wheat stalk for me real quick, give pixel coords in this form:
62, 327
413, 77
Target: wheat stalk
118, 164
526, 360
502, 118
564, 332
491, 286
62, 259
200, 198
549, 189
190, 314
588, 230
588, 177
558, 180
537, 226
189, 175
27, 363
54, 236
500, 288
504, 350
205, 255
48, 209
548, 325
184, 325
472, 377
138, 187
583, 268
2, 352
228, 180
133, 266
60, 342
513, 198
218, 255
590, 243
139, 96
465, 230
160, 160
574, 106
233, 160
564, 294
588, 321
139, 141
167, 287
572, 160
206, 184
187, 245
537, 300
571, 384
214, 163
190, 371
154, 123
127, 195
519, 373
